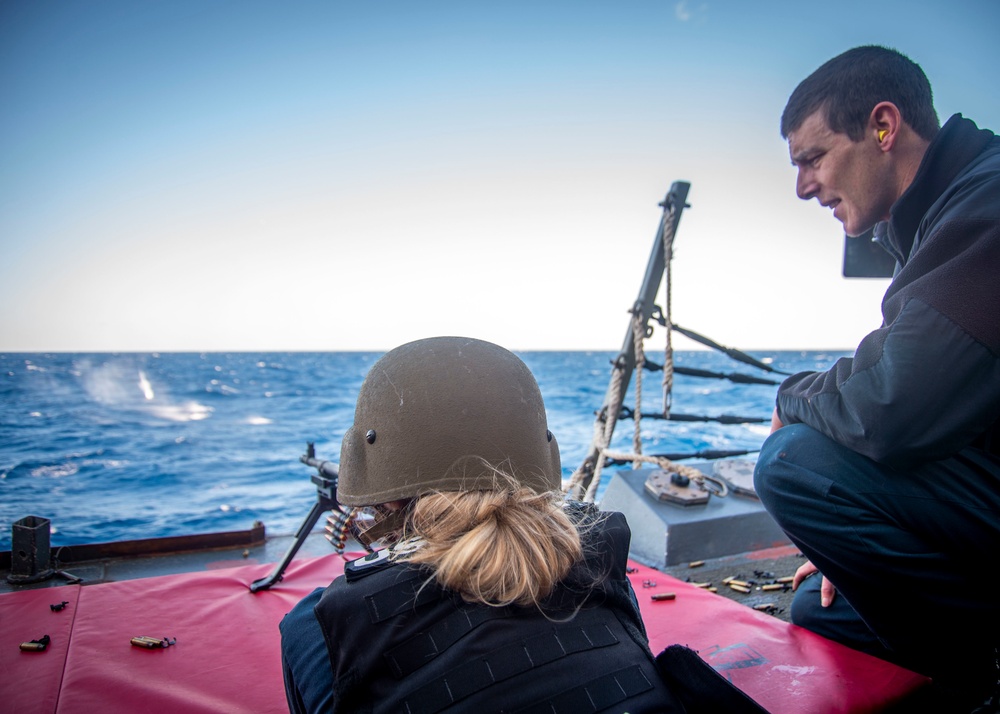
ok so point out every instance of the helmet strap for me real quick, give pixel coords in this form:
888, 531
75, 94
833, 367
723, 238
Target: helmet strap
390, 522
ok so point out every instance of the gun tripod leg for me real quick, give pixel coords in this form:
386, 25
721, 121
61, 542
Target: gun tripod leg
322, 505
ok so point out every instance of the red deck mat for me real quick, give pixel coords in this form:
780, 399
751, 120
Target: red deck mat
785, 668
30, 681
227, 655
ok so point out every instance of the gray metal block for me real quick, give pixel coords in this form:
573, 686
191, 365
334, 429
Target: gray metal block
665, 534
30, 553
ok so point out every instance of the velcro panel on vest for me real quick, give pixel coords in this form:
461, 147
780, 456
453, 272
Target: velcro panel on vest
424, 647
507, 662
596, 695
401, 596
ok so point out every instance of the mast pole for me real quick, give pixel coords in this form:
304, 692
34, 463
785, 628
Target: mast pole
624, 365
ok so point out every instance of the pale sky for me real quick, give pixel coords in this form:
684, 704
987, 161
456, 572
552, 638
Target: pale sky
213, 176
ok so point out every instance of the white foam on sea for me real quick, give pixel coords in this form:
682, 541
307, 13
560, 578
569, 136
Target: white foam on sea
120, 385
189, 411
145, 386
55, 470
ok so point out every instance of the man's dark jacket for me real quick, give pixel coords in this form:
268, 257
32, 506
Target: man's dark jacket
926, 384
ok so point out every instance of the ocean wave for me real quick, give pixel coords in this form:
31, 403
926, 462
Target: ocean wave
189, 411
55, 470
217, 387
270, 365
124, 386
140, 441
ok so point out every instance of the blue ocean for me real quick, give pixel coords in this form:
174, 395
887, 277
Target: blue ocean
125, 446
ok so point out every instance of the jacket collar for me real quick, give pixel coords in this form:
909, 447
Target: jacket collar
957, 143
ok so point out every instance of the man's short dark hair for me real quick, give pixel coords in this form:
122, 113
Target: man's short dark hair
849, 86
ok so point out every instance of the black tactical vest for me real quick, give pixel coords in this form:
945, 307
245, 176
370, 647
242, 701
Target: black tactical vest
399, 643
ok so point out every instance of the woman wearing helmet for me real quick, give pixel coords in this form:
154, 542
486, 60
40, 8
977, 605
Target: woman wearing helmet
493, 594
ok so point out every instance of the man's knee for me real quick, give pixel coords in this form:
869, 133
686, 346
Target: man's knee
784, 456
807, 610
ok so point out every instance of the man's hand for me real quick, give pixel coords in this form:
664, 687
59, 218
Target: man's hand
826, 589
775, 421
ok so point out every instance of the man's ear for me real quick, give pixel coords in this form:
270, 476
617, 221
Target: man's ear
884, 124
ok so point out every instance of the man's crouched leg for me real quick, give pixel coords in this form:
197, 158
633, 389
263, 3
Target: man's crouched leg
900, 545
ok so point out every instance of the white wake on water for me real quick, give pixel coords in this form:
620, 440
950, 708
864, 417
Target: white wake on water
120, 385
145, 386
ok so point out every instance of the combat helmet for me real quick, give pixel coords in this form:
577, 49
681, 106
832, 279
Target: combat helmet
436, 414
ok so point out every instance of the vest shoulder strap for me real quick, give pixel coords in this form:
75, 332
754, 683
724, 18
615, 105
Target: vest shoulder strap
371, 563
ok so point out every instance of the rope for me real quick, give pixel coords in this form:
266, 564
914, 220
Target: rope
604, 430
668, 348
603, 436
673, 467
638, 335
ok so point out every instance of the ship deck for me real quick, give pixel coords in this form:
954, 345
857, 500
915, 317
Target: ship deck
226, 657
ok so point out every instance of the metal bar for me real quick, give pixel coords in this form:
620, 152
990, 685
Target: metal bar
676, 198
733, 353
69, 554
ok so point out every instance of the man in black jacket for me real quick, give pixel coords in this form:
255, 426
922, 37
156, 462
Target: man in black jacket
885, 469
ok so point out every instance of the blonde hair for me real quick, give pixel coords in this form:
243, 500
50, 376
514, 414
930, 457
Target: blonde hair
506, 546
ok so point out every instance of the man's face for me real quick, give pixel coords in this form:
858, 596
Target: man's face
849, 177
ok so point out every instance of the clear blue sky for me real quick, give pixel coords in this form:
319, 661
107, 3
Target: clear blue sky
199, 175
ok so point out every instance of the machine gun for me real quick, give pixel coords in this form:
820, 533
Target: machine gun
338, 522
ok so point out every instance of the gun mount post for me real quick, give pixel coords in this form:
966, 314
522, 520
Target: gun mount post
326, 500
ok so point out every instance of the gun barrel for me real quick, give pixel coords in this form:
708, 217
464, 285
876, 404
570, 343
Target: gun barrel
326, 468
